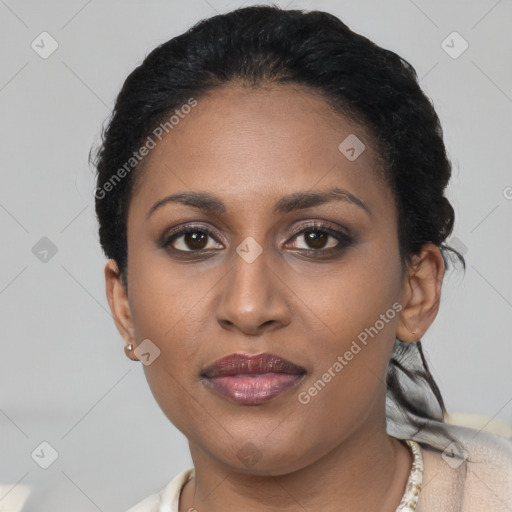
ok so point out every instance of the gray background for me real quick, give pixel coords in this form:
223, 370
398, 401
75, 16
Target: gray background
64, 377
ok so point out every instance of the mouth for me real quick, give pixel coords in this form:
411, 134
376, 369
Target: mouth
252, 380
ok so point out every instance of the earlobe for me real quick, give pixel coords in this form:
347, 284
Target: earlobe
421, 294
118, 301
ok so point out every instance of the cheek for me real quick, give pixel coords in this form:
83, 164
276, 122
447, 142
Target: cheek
353, 296
354, 319
168, 309
165, 298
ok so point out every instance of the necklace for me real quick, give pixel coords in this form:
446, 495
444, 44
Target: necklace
413, 486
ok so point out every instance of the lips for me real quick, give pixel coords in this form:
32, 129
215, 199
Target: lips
252, 380
241, 364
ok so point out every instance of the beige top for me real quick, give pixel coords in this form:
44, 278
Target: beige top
474, 474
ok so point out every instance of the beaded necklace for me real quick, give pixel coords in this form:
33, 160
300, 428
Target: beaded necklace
413, 486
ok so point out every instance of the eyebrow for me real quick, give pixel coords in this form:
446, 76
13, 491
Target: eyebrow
296, 201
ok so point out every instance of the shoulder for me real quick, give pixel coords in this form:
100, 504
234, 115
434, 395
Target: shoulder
167, 498
471, 473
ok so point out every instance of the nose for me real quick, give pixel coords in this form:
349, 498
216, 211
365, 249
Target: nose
253, 297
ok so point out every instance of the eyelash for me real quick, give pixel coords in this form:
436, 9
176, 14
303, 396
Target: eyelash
343, 239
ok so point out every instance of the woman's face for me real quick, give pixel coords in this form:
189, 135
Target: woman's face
258, 278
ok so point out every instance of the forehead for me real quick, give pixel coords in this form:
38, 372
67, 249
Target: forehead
253, 145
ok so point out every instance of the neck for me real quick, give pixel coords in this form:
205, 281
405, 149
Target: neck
367, 471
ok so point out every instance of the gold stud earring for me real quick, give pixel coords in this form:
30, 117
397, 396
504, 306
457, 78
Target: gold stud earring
128, 348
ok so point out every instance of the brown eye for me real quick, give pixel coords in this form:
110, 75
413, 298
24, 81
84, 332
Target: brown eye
316, 238
191, 239
195, 240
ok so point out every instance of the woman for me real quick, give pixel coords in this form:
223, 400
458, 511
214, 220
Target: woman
270, 196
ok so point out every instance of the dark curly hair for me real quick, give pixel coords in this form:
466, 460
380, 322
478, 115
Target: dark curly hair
374, 87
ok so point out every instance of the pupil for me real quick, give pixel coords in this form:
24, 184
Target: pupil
195, 240
318, 241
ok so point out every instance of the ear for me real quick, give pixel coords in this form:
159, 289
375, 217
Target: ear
421, 294
118, 301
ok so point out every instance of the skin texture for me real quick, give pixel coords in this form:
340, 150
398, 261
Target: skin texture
249, 147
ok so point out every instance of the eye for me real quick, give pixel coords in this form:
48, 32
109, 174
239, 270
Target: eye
191, 239
316, 238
